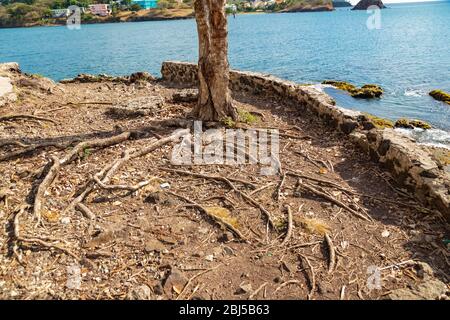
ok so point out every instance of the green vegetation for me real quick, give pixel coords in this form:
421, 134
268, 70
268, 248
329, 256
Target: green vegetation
247, 117
228, 122
379, 123
18, 13
411, 124
247, 6
440, 96
367, 91
244, 117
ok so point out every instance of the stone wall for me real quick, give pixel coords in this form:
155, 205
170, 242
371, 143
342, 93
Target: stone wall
413, 165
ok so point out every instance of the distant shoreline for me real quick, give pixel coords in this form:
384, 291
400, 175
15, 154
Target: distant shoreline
153, 15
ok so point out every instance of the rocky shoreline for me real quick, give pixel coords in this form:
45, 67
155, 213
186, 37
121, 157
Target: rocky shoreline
423, 171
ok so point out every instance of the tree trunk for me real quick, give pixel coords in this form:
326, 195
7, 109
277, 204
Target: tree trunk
214, 99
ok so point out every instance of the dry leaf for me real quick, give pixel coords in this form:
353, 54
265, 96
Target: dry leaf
50, 216
312, 225
223, 214
323, 171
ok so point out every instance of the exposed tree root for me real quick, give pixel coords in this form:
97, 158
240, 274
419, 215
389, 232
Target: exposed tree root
85, 211
105, 175
232, 186
284, 284
261, 188
10, 117
215, 218
53, 171
95, 143
68, 158
311, 276
318, 180
14, 143
193, 278
21, 239
131, 188
289, 226
280, 187
332, 252
255, 293
332, 199
31, 148
206, 176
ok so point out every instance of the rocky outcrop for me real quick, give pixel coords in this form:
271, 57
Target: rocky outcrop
309, 8
89, 78
367, 91
440, 96
413, 165
365, 4
7, 93
341, 4
428, 287
411, 124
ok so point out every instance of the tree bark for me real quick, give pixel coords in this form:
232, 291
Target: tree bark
214, 99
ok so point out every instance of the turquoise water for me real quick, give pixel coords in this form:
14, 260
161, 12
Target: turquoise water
408, 56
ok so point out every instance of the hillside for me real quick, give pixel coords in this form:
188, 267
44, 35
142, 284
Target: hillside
306, 6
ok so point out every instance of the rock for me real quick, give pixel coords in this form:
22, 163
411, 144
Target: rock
423, 270
364, 4
209, 258
440, 96
175, 282
411, 124
65, 220
427, 290
37, 82
9, 67
367, 91
167, 239
302, 7
142, 292
225, 237
137, 107
7, 94
89, 78
141, 77
158, 289
244, 288
370, 121
153, 245
289, 267
228, 250
185, 96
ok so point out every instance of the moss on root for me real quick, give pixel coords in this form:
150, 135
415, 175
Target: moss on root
440, 96
411, 124
367, 91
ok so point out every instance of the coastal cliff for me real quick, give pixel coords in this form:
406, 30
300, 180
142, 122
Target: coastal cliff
364, 4
341, 4
307, 6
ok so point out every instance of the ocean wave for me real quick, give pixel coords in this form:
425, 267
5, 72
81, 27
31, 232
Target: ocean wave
431, 137
414, 93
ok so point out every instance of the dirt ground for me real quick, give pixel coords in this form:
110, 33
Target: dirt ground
348, 216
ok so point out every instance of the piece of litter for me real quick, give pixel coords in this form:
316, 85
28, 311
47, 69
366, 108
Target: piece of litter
385, 234
165, 186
